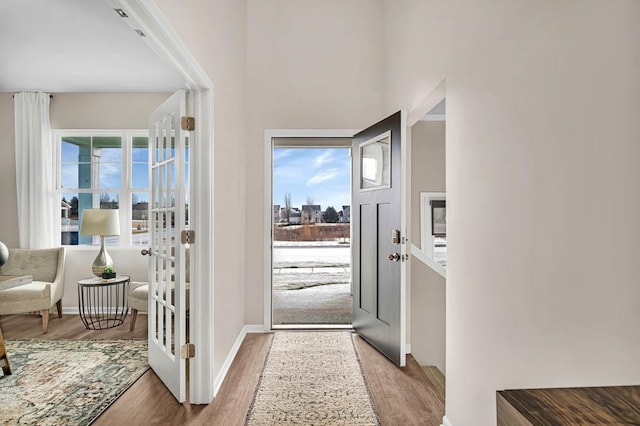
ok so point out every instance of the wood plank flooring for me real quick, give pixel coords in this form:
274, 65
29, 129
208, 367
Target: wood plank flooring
67, 327
436, 377
402, 396
611, 405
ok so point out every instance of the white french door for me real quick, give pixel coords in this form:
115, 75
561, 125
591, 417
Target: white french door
168, 207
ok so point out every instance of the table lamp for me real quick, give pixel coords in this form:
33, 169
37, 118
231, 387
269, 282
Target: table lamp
102, 222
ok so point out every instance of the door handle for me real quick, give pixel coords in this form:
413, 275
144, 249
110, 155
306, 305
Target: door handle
146, 252
394, 257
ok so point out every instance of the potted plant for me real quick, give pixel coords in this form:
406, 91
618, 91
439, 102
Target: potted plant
108, 273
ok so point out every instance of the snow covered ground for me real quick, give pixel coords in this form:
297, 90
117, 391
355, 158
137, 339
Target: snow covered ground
311, 283
311, 255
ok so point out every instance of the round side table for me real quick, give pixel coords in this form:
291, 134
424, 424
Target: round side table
103, 303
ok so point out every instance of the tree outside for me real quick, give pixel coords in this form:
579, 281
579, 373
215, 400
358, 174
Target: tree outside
331, 215
287, 206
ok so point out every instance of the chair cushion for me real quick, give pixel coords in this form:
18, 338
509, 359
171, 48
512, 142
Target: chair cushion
138, 295
139, 291
42, 264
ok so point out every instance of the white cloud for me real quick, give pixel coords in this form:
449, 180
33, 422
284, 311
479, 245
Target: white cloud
325, 157
323, 176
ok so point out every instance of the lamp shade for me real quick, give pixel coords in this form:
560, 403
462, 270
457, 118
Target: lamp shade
100, 222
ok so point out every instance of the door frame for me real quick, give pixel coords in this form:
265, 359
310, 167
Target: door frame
146, 16
269, 134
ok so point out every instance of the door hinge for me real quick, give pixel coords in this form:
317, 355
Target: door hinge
188, 236
188, 351
187, 123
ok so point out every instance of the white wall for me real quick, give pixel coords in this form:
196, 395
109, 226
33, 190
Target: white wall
215, 32
427, 287
8, 207
103, 110
76, 111
543, 100
310, 64
428, 310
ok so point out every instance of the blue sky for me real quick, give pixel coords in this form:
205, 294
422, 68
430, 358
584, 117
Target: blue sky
320, 173
110, 168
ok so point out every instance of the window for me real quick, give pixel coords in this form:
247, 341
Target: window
375, 164
107, 170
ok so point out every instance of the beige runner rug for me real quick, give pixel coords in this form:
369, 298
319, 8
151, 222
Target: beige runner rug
312, 378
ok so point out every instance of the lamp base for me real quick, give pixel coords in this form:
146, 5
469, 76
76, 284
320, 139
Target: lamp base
4, 254
102, 260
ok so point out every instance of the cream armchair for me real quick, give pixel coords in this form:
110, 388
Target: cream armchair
47, 268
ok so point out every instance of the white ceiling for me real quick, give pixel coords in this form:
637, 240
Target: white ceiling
76, 46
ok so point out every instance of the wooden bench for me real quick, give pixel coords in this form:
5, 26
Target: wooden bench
614, 405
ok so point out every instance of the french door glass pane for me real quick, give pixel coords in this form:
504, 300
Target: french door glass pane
139, 219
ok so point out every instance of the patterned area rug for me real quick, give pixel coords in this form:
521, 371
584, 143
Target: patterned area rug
67, 382
312, 378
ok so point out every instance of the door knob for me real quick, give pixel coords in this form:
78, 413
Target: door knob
394, 257
146, 252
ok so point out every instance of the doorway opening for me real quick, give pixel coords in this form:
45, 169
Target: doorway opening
429, 235
311, 233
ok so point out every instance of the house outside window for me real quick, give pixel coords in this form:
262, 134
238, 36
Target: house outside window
107, 169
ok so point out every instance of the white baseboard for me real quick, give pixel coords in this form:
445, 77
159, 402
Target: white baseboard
407, 348
254, 328
446, 422
70, 310
249, 328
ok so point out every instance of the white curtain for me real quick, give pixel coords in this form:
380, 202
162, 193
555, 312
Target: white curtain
35, 172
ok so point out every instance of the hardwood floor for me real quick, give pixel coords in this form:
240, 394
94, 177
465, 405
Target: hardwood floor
611, 405
402, 396
67, 327
436, 377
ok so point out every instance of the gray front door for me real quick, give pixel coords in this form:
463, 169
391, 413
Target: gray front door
378, 291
